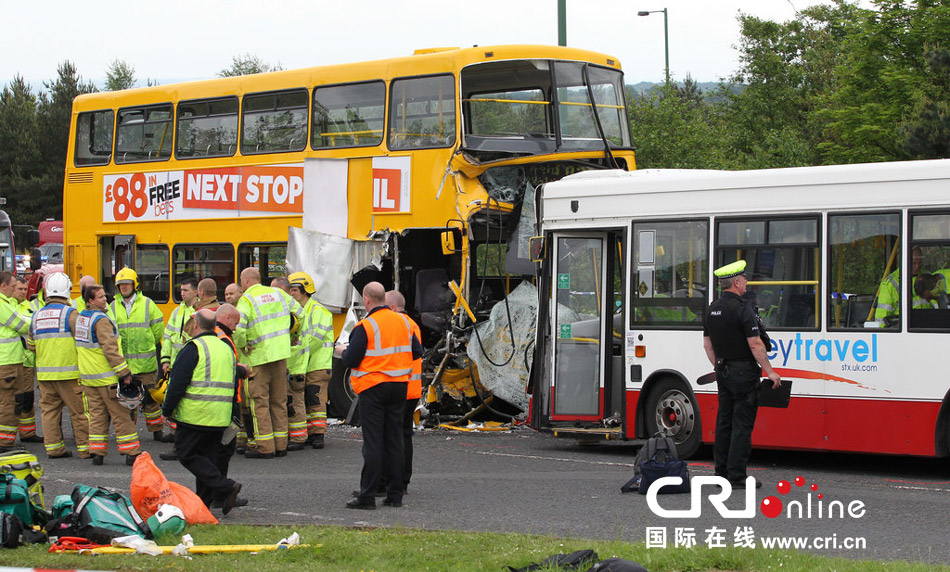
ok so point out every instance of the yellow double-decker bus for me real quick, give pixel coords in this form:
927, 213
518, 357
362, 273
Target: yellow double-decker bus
430, 155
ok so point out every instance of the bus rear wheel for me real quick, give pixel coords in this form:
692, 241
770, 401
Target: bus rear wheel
672, 411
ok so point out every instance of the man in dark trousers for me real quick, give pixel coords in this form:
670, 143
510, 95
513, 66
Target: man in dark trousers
380, 354
731, 339
199, 398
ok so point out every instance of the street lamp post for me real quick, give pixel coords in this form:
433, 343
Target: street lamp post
666, 37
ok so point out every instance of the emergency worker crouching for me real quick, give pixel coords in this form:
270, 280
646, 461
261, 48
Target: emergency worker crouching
140, 323
57, 369
108, 386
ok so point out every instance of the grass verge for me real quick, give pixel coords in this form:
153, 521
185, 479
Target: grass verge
397, 549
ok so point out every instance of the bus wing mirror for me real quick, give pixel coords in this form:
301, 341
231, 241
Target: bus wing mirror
536, 246
448, 242
32, 238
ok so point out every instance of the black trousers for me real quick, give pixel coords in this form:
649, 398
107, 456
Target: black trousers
407, 432
200, 451
738, 405
381, 416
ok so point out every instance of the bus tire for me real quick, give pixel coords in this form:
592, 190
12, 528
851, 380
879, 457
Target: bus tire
340, 393
672, 410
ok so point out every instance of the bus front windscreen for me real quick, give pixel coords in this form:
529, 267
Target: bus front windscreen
532, 107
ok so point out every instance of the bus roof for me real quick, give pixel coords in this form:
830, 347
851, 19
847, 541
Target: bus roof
434, 60
604, 195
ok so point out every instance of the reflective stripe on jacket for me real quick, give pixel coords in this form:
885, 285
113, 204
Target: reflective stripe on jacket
174, 338
209, 396
94, 368
320, 332
12, 326
388, 356
414, 391
264, 329
140, 331
56, 357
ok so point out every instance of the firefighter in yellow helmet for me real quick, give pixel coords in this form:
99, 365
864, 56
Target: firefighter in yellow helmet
141, 324
316, 332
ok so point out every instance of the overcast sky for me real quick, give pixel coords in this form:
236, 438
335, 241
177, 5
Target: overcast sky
177, 40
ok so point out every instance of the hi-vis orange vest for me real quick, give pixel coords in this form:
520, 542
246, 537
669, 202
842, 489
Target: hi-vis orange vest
388, 356
414, 391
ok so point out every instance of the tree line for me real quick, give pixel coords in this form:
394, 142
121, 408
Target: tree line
34, 133
838, 83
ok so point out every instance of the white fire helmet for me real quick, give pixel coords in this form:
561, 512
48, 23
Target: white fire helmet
58, 284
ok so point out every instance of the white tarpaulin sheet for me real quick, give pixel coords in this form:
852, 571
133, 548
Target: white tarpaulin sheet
325, 178
510, 380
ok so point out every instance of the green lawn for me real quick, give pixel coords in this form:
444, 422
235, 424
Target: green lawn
397, 549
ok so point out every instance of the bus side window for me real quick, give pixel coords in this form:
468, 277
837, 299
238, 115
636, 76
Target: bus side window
782, 257
864, 269
670, 267
930, 257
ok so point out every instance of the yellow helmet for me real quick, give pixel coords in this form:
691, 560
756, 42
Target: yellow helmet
294, 324
127, 275
158, 391
303, 280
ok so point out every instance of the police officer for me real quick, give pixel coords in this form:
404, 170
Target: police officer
140, 324
317, 331
380, 354
200, 398
57, 369
263, 336
12, 327
105, 374
731, 339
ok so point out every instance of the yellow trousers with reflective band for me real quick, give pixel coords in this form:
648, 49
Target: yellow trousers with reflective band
103, 407
267, 401
54, 396
317, 414
26, 418
297, 423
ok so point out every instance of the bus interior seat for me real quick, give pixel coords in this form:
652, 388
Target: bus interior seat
433, 298
800, 311
859, 307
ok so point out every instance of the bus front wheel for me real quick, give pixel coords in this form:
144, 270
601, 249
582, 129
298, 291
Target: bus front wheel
340, 392
672, 411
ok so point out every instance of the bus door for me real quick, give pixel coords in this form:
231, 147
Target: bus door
115, 252
587, 317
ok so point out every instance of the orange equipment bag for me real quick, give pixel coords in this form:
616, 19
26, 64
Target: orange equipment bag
150, 488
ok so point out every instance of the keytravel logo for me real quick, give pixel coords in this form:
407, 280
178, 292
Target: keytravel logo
718, 490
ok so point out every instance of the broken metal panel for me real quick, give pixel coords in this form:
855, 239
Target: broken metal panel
507, 378
328, 259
